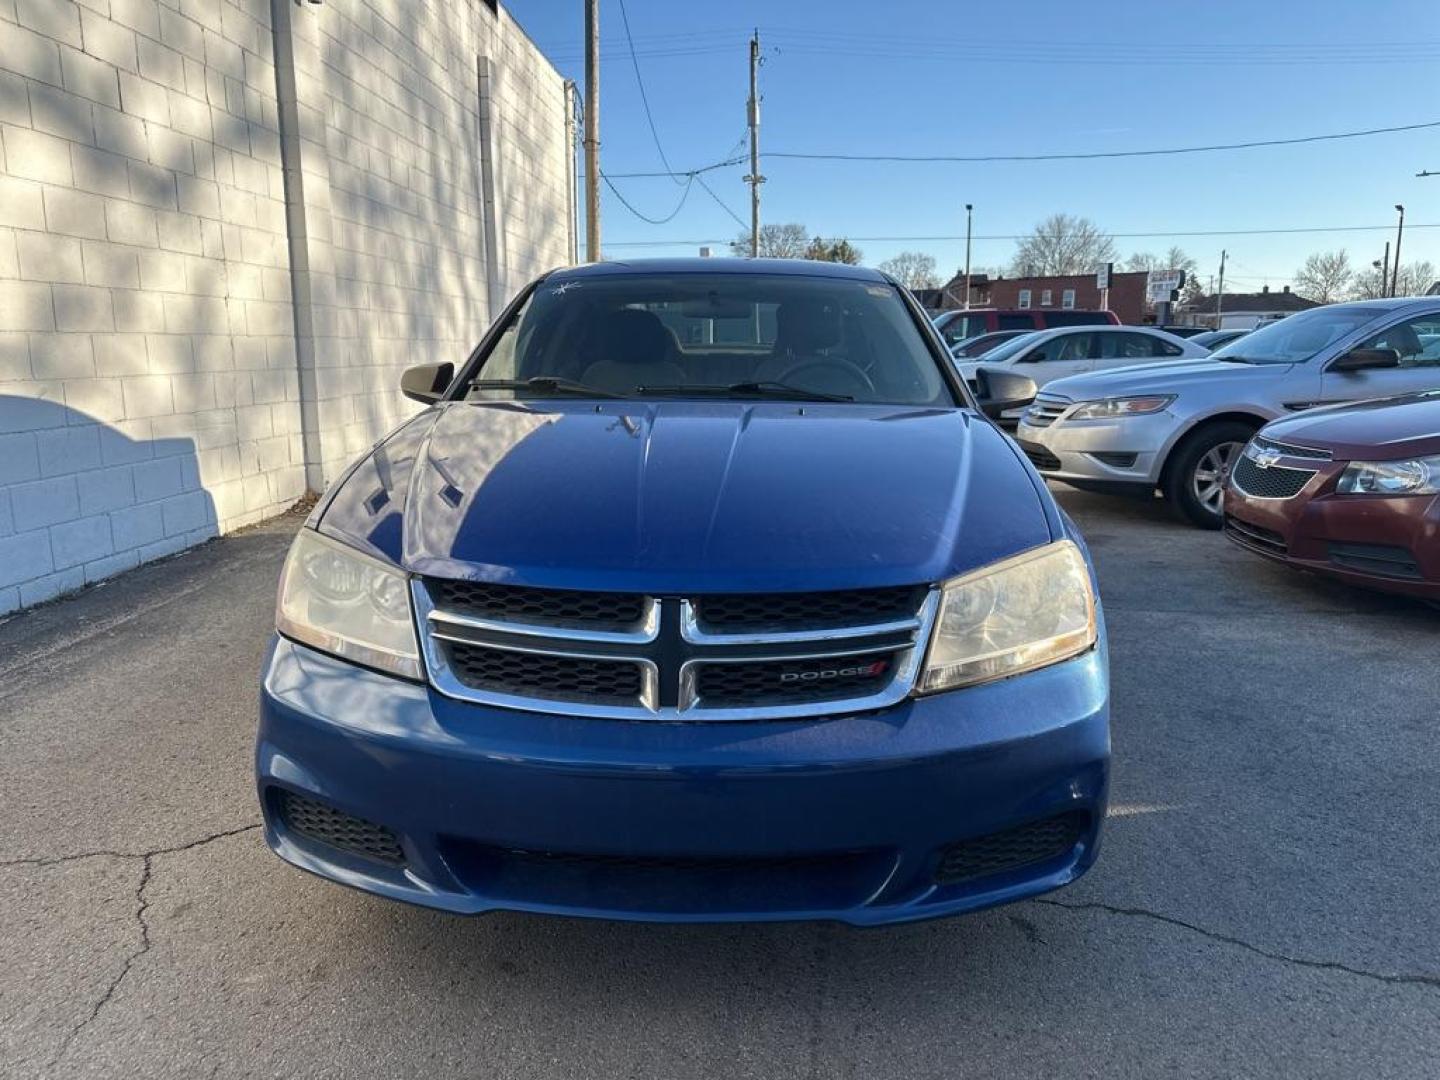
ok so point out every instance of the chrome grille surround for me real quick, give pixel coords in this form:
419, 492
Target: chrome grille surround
1045, 410
1290, 449
671, 648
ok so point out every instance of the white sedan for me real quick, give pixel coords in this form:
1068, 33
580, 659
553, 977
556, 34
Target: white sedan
1046, 355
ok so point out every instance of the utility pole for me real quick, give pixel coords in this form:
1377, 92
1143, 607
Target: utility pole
1220, 290
969, 215
592, 130
1399, 234
1384, 268
754, 179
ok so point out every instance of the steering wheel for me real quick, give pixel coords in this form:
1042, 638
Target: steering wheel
857, 379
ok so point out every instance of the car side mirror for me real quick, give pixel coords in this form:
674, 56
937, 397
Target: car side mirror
1363, 359
427, 382
998, 390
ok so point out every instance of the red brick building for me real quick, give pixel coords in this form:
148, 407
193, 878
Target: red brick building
1062, 293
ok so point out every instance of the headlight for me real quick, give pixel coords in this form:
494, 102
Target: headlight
1417, 476
1111, 408
1014, 616
346, 603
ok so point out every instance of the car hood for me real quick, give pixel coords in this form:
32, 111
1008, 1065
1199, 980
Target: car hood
1163, 377
724, 496
1385, 428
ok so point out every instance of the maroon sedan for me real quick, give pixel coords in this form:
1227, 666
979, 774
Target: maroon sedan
1352, 492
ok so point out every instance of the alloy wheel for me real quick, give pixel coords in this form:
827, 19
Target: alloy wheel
1207, 482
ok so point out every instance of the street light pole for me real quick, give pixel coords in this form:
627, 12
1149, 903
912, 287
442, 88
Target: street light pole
1399, 234
969, 219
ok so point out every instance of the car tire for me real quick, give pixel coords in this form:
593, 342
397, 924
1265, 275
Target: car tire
1198, 467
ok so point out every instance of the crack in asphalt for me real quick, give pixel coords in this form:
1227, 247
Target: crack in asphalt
142, 905
1391, 978
107, 853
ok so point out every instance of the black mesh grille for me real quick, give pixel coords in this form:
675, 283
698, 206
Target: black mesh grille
1276, 482
784, 682
544, 676
1039, 456
777, 611
558, 607
314, 819
1255, 536
1032, 843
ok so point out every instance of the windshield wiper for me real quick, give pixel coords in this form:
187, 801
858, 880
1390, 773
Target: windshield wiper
764, 388
547, 383
1235, 359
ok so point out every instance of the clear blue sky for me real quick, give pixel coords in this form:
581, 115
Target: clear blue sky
943, 77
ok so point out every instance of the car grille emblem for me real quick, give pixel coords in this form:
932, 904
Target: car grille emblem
1264, 459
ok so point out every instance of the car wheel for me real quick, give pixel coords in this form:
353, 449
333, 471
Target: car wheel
1199, 468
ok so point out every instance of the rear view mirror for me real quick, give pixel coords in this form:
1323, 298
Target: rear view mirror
716, 308
1363, 359
998, 390
427, 382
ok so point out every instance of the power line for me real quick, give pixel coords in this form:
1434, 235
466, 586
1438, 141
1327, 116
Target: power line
729, 161
645, 98
1096, 154
684, 194
1023, 236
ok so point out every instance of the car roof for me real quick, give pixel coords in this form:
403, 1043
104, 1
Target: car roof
725, 265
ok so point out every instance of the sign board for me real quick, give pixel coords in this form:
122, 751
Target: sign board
1161, 283
1102, 276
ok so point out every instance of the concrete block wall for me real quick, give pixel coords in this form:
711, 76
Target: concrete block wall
389, 134
148, 386
163, 375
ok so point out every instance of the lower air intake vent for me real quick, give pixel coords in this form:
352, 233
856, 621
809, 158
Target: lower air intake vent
1032, 843
316, 820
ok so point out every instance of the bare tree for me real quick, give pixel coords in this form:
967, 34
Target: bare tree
1062, 244
1415, 278
913, 269
1326, 276
776, 242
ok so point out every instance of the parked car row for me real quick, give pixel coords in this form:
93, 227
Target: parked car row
1314, 441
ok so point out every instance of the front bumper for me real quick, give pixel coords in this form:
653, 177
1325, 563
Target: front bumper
1124, 453
844, 818
1384, 543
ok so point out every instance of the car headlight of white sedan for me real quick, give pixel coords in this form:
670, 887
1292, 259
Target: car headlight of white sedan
1114, 408
1414, 476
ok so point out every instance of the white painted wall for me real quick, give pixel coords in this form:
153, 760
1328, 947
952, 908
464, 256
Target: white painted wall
153, 388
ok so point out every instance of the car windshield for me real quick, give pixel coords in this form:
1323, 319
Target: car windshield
1006, 349
708, 335
1297, 338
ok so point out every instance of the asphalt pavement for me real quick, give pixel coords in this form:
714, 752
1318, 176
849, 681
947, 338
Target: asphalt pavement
1263, 904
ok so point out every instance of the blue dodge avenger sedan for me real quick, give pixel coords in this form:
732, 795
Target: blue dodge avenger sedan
702, 590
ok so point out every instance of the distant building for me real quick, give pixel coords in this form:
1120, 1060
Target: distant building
1245, 311
1066, 292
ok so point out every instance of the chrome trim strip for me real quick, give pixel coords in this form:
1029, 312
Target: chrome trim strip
907, 670
448, 683
647, 630
693, 632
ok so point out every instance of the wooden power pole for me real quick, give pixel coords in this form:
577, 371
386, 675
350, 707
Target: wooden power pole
592, 130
